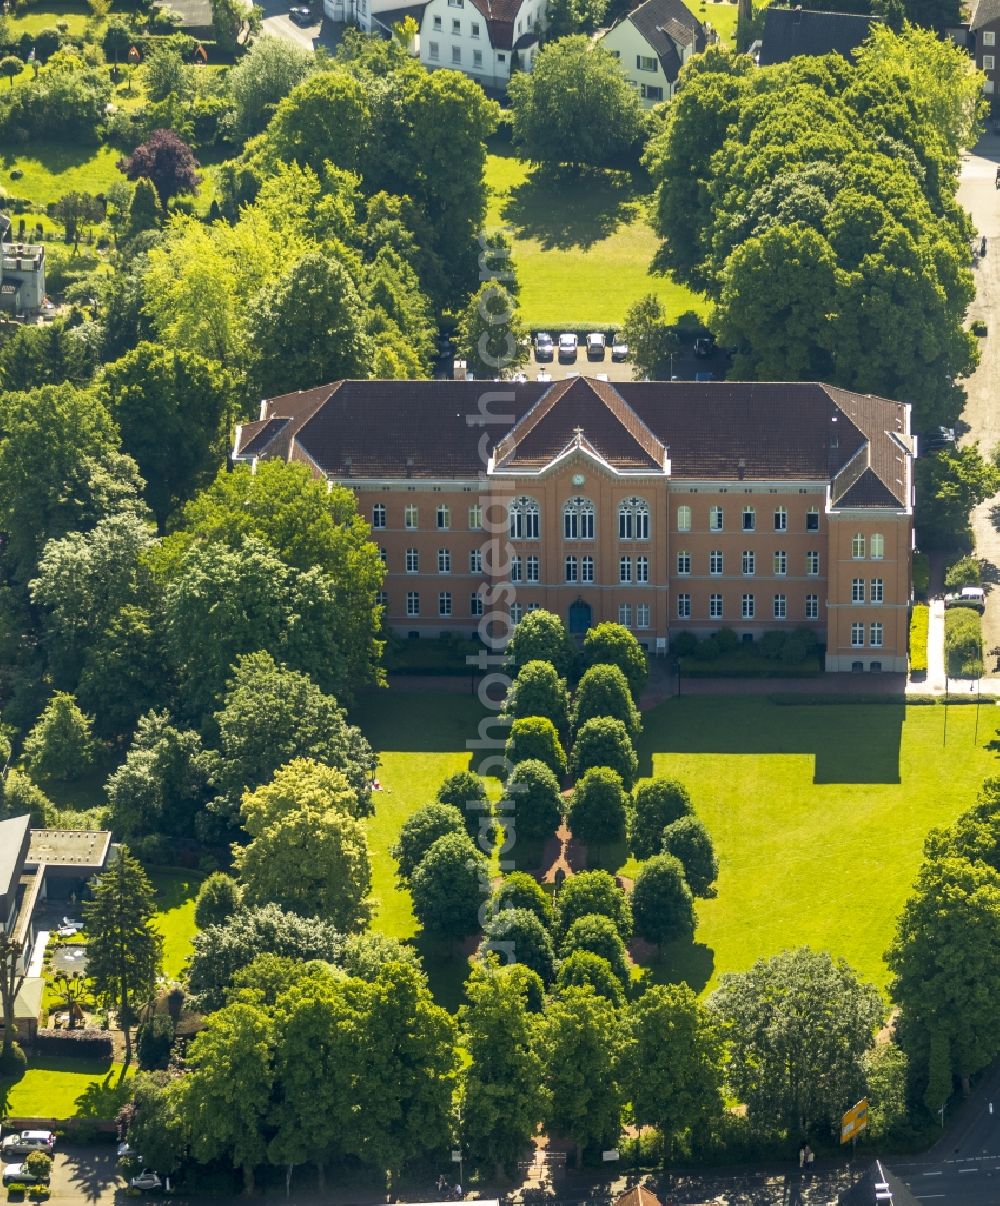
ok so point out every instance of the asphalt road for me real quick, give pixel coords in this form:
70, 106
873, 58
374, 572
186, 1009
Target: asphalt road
278, 24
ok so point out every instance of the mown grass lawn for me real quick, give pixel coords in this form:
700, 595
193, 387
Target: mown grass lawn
52, 169
47, 16
176, 890
582, 244
50, 1088
721, 15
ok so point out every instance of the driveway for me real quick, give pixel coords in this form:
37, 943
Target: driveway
978, 194
278, 24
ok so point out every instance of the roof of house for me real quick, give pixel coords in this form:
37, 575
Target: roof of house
28, 1003
793, 31
86, 849
638, 1196
720, 430
986, 13
665, 24
500, 16
194, 14
14, 838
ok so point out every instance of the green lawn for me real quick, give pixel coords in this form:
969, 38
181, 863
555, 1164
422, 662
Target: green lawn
45, 16
175, 895
582, 245
51, 170
722, 18
51, 1088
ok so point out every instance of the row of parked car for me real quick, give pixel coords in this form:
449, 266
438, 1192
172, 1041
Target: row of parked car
568, 347
23, 1143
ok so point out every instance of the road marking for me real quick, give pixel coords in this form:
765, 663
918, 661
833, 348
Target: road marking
937, 1173
965, 1170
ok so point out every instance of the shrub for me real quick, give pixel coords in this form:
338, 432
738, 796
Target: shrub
421, 830
535, 737
532, 800
921, 575
39, 1164
963, 642
604, 741
218, 899
154, 1038
658, 803
600, 936
74, 1044
706, 650
13, 1063
966, 571
594, 893
613, 645
683, 644
689, 840
727, 641
598, 810
919, 623
662, 902
772, 644
978, 327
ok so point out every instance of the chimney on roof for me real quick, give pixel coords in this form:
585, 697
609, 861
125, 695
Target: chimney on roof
409, 466
459, 371
741, 468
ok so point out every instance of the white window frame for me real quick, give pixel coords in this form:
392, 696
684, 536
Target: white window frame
531, 568
633, 519
748, 607
684, 606
642, 569
625, 614
411, 517
748, 562
444, 603
876, 635
715, 605
412, 561
476, 518
683, 563
781, 519
413, 603
716, 563
812, 607
779, 607
434, 52
716, 519
780, 563
572, 569
586, 569
812, 563
749, 519
876, 590
625, 569
643, 615
683, 518
857, 635
475, 561
578, 519
475, 604
858, 546
857, 590
525, 518
812, 519
444, 561
876, 547
379, 515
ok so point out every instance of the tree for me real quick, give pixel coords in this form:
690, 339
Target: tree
144, 210
13, 969
565, 17
689, 840
501, 1083
886, 1067
228, 1089
575, 107
945, 960
584, 969
652, 341
594, 892
964, 571
365, 955
124, 950
543, 637
948, 485
940, 1075
598, 808
307, 326
74, 210
658, 803
420, 831
604, 742
600, 936
11, 67
166, 160
61, 745
610, 644
448, 885
116, 41
157, 1122
174, 409
519, 890
228, 20
538, 691
166, 74
262, 78
517, 935
218, 899
579, 1040
532, 803
123, 674
604, 691
220, 951
491, 337
662, 901
672, 1061
307, 806
535, 738
467, 792
798, 1025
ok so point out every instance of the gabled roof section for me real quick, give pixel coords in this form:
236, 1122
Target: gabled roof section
584, 413
884, 425
789, 32
500, 16
665, 25
986, 13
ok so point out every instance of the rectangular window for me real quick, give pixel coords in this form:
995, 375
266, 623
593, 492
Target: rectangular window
780, 519
456, 54
456, 26
443, 519
624, 569
858, 546
412, 603
857, 636
988, 61
433, 51
857, 590
876, 590
876, 549
516, 612
812, 520
684, 562
381, 599
475, 518
989, 37
749, 562
411, 518
501, 58
988, 87
875, 636
812, 563
383, 556
515, 569
477, 58
444, 603
642, 616
651, 93
531, 569
475, 604
780, 563
715, 607
475, 29
749, 519
642, 569
748, 607
812, 607
684, 607
715, 519
572, 569
437, 24
586, 569
683, 519
780, 607
444, 561
476, 561
645, 62
715, 562
412, 561
378, 516
625, 614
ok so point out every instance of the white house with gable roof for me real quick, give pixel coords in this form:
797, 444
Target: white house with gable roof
652, 44
486, 39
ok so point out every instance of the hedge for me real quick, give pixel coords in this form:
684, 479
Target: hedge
748, 666
74, 1044
919, 621
921, 575
963, 642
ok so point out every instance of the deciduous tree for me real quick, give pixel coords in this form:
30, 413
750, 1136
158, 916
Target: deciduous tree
542, 636
532, 805
604, 741
448, 885
598, 808
689, 840
166, 160
611, 644
662, 902
604, 691
658, 803
420, 831
594, 892
535, 738
538, 691
600, 936
61, 744
517, 935
491, 337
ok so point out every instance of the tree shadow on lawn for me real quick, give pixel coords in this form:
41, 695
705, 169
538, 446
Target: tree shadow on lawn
566, 210
851, 742
173, 887
675, 962
401, 721
54, 157
104, 1098
447, 967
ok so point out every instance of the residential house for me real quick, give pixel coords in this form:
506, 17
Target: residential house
789, 32
487, 39
653, 43
22, 278
667, 506
984, 30
373, 16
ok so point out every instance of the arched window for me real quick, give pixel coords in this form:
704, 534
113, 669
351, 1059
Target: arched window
525, 521
578, 519
633, 519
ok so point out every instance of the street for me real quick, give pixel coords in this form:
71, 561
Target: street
278, 24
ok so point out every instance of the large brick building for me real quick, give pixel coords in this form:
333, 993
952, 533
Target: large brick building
667, 506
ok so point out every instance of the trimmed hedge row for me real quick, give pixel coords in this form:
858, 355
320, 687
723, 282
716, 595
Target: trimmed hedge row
790, 699
963, 642
75, 1044
920, 618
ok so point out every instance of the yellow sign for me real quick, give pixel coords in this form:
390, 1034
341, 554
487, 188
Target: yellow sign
854, 1121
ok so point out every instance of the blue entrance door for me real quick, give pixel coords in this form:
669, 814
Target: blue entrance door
580, 616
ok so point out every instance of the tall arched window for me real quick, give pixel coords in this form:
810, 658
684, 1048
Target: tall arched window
633, 519
578, 519
525, 519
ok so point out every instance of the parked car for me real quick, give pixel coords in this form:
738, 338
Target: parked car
568, 344
704, 346
301, 15
968, 596
544, 347
147, 1179
596, 346
23, 1143
20, 1174
704, 376
619, 348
